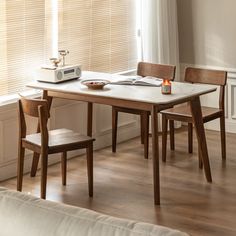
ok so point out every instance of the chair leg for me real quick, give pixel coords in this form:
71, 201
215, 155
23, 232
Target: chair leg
142, 128
44, 168
34, 166
200, 163
89, 151
20, 167
172, 135
146, 133
114, 128
164, 137
63, 167
223, 139
190, 137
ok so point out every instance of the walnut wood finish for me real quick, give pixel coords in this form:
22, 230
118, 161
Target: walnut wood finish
156, 150
36, 155
144, 69
195, 106
49, 142
150, 100
90, 119
184, 113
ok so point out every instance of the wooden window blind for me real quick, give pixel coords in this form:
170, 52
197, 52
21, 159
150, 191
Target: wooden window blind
100, 34
21, 42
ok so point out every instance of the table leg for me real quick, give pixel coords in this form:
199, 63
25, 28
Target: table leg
90, 119
200, 132
155, 156
35, 161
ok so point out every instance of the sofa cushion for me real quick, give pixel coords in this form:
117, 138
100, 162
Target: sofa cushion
22, 214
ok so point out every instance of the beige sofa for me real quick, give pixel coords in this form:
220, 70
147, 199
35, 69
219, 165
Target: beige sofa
22, 214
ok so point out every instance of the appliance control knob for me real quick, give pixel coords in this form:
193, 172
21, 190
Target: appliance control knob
78, 72
59, 75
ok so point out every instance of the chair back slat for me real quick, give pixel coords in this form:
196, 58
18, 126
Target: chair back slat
34, 108
22, 123
205, 76
30, 107
156, 70
43, 113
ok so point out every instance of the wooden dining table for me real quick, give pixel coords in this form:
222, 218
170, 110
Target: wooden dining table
147, 98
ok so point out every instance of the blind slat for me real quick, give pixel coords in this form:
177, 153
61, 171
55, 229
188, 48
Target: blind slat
108, 32
100, 35
22, 36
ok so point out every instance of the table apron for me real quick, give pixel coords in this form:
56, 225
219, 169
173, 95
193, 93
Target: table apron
102, 100
145, 106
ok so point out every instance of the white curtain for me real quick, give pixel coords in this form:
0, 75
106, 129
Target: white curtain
159, 32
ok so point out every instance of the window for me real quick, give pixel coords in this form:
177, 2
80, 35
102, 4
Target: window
21, 42
101, 35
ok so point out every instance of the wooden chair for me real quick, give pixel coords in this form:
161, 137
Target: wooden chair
144, 69
183, 113
49, 142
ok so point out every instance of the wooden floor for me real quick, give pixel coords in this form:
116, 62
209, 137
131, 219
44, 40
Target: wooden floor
123, 186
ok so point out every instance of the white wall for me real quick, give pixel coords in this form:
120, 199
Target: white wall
67, 114
207, 36
207, 32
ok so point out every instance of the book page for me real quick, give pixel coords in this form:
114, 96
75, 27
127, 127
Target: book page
126, 80
148, 81
136, 80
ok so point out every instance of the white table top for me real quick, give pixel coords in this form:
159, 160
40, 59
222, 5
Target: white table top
144, 94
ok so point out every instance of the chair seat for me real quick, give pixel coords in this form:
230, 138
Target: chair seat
183, 113
59, 140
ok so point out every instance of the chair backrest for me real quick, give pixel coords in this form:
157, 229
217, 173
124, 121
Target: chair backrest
156, 70
206, 76
35, 108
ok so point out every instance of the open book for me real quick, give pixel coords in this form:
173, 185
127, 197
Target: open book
137, 80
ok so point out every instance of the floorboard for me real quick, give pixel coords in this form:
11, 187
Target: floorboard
123, 186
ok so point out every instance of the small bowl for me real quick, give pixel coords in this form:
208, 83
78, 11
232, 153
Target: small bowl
95, 84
